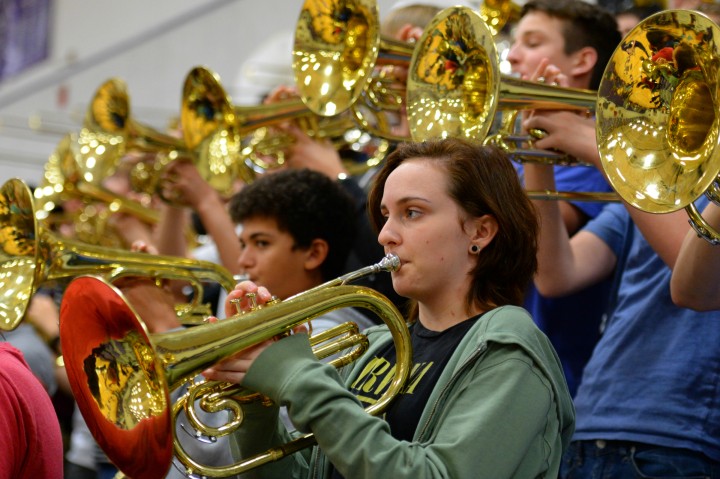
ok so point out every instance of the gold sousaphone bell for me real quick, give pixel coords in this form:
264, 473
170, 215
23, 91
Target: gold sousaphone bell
657, 115
121, 376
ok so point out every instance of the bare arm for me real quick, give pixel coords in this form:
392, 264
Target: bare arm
217, 222
318, 155
574, 135
194, 192
665, 232
696, 277
565, 265
568, 260
573, 217
167, 237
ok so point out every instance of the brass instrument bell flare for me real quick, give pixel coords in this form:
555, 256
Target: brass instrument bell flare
498, 13
337, 50
20, 255
33, 255
455, 86
113, 372
333, 52
657, 115
122, 376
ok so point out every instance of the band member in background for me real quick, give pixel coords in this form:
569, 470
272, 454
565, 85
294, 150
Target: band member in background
578, 39
640, 412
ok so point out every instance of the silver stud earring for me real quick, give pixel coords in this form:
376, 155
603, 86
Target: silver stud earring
474, 249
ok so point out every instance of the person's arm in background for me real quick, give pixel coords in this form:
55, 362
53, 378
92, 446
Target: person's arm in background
190, 189
129, 227
565, 265
695, 280
569, 259
570, 133
167, 236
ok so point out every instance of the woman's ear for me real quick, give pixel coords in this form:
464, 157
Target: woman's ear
483, 230
316, 254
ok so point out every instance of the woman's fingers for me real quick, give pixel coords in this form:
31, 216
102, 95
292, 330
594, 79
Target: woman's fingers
234, 368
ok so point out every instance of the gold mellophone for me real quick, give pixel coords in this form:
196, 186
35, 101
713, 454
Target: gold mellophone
122, 377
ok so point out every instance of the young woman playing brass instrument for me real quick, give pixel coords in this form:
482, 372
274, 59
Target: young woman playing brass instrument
486, 396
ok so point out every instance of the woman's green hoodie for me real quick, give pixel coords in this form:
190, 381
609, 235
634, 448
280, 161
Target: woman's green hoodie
500, 409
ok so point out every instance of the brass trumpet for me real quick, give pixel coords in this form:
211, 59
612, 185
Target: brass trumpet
261, 148
203, 93
72, 172
122, 377
455, 88
657, 115
32, 255
332, 63
109, 124
337, 47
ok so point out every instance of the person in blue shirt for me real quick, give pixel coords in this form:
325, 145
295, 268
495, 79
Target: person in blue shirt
577, 38
647, 403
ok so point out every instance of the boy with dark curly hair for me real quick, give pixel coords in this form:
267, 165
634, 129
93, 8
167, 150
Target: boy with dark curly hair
298, 227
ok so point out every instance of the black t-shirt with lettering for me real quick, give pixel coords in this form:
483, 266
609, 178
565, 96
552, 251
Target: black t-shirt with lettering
431, 352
